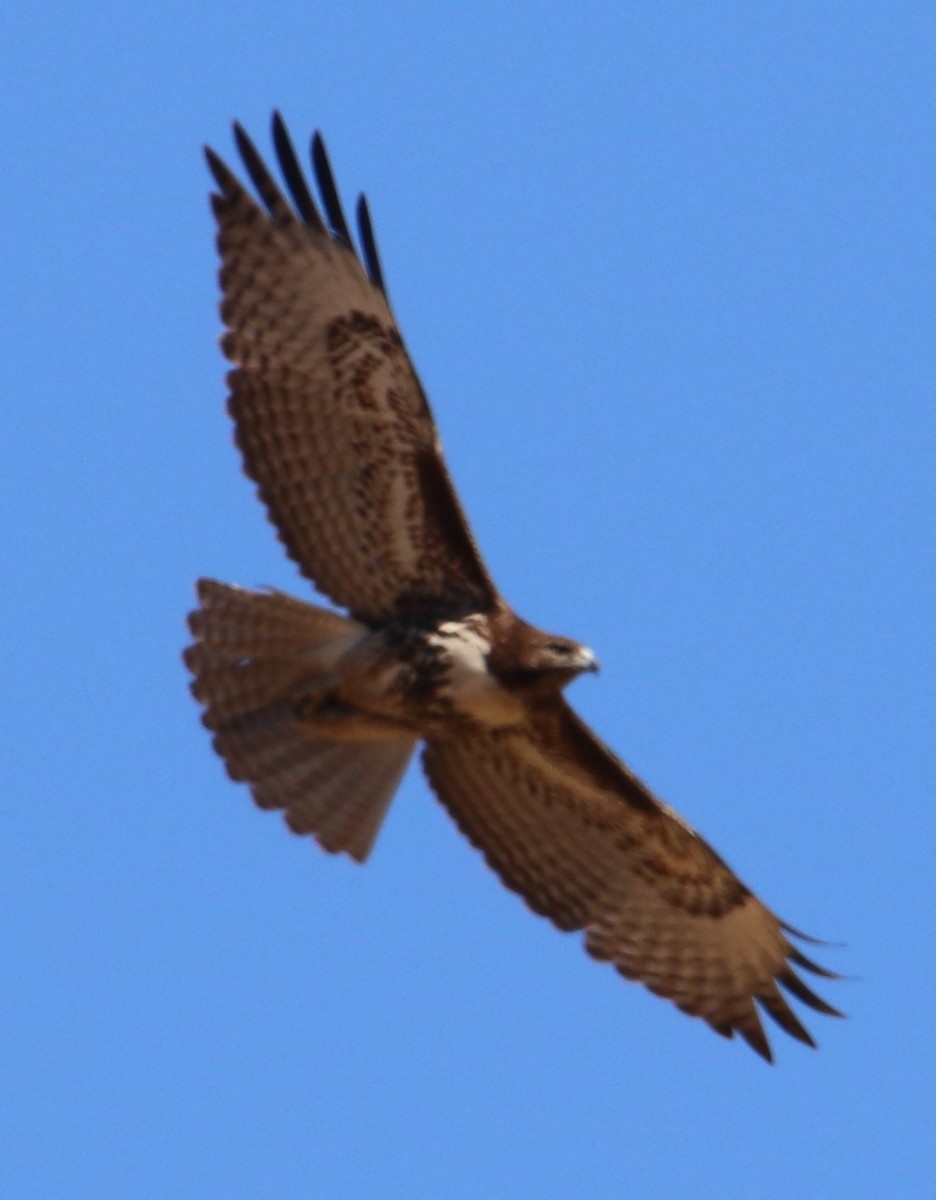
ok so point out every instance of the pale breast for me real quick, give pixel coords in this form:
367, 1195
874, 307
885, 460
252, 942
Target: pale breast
427, 678
466, 684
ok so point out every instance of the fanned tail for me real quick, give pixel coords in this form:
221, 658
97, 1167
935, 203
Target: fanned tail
254, 656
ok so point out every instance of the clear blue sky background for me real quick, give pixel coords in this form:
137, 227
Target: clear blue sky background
667, 270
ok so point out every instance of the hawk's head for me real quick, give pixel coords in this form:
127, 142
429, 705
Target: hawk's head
529, 658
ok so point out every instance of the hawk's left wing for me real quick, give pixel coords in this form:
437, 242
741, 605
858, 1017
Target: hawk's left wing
565, 824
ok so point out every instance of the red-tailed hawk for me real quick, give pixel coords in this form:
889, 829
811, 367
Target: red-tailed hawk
320, 713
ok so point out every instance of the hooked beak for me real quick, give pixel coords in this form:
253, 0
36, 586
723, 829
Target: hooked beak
588, 661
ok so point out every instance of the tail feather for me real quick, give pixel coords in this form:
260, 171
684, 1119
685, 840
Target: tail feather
347, 807
233, 621
253, 648
234, 688
255, 655
261, 745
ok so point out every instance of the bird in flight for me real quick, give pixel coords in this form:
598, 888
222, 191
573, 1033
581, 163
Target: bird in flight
320, 711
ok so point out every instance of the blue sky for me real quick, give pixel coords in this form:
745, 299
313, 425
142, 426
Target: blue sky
667, 271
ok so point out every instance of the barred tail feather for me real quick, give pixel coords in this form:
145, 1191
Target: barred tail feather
337, 791
254, 655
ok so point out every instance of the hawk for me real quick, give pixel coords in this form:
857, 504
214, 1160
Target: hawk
320, 712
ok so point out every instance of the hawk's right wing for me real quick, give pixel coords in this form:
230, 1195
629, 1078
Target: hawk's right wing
330, 417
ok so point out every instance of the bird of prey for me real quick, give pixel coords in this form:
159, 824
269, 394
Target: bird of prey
320, 712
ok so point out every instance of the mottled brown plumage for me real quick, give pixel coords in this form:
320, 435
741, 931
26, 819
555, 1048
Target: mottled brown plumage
330, 418
320, 713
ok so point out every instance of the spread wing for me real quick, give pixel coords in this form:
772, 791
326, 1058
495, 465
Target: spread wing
566, 825
330, 417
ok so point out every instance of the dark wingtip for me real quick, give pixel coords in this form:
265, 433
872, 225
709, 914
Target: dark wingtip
330, 198
793, 984
369, 245
260, 177
779, 1011
245, 146
220, 171
796, 956
808, 938
299, 192
292, 172
757, 1040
